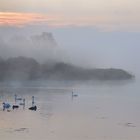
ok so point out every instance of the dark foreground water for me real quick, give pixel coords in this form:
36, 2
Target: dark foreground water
102, 111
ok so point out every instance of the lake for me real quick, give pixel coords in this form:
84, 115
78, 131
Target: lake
101, 111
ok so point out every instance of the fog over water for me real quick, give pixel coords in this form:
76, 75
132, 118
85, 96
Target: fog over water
86, 47
101, 110
69, 70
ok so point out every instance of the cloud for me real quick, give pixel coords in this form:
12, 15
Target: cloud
104, 22
105, 15
22, 19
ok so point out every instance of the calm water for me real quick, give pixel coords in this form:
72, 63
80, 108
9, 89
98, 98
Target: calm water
102, 111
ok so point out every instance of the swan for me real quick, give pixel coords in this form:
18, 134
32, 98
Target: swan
6, 106
16, 98
15, 106
74, 95
33, 107
23, 103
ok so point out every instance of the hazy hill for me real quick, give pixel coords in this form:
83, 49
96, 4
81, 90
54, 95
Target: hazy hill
22, 68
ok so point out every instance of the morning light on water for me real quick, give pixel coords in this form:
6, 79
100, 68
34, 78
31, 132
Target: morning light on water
69, 70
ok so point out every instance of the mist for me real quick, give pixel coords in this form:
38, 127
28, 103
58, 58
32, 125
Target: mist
81, 46
41, 47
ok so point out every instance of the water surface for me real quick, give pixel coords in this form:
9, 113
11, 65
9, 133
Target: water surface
102, 111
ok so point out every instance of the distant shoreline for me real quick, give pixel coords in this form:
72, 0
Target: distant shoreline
23, 68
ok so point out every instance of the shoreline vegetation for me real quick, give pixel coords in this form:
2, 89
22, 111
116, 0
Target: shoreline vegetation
23, 68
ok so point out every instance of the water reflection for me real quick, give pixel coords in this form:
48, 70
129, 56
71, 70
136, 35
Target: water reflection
100, 112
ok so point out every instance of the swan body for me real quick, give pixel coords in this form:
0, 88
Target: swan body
23, 103
15, 106
17, 98
74, 95
6, 106
33, 108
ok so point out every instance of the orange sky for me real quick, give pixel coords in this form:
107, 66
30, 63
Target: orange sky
21, 19
105, 15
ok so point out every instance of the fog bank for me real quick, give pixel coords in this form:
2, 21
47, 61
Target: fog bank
82, 46
42, 47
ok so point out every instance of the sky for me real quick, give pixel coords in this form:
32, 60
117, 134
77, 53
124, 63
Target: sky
105, 15
97, 33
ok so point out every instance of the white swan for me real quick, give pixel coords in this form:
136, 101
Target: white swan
6, 106
16, 98
23, 103
74, 95
33, 107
